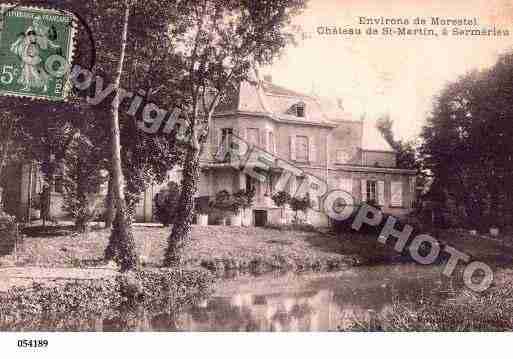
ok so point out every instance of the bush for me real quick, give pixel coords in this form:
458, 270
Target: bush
225, 203
166, 202
480, 312
82, 179
62, 306
300, 204
244, 199
8, 233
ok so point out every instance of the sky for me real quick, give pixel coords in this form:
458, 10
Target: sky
397, 75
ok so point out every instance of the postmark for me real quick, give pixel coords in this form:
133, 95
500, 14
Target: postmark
36, 48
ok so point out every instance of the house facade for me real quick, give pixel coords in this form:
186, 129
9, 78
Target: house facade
314, 135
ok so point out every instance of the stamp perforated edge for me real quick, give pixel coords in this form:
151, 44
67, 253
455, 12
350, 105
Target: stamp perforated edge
72, 43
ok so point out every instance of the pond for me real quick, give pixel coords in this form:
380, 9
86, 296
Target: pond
316, 302
280, 302
306, 302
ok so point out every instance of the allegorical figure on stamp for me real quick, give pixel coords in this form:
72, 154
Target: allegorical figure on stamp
28, 46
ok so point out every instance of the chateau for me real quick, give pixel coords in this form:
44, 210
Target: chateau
311, 133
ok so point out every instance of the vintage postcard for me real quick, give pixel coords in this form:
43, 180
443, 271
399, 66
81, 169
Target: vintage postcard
36, 43
256, 166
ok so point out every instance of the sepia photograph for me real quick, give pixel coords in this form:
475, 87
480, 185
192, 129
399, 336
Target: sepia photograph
265, 166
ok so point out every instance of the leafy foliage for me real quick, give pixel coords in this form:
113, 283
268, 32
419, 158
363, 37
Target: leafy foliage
76, 303
466, 143
166, 203
300, 204
82, 180
281, 198
244, 199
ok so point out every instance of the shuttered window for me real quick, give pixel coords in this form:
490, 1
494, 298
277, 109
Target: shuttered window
252, 134
271, 143
371, 193
396, 194
302, 148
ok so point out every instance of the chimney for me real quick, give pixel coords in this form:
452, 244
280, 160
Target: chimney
268, 78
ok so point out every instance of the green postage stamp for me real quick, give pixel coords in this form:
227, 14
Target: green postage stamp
36, 49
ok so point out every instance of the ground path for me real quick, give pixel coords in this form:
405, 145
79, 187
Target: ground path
27, 276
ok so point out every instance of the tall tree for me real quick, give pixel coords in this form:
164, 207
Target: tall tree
466, 142
215, 44
121, 243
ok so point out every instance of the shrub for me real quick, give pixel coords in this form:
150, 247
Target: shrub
62, 306
480, 312
82, 179
300, 204
225, 203
202, 205
8, 233
280, 199
166, 202
244, 199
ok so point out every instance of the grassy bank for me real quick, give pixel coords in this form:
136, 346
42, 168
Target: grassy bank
469, 311
217, 248
88, 304
257, 250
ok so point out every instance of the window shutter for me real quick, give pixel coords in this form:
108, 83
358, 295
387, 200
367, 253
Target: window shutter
219, 136
263, 140
292, 147
381, 193
346, 184
313, 151
396, 197
364, 190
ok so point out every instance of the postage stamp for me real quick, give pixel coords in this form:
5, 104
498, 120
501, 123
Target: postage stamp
36, 48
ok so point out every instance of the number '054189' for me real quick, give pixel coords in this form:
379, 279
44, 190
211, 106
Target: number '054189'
32, 343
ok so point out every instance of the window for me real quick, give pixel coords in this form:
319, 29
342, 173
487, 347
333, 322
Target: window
271, 148
250, 184
302, 148
225, 138
226, 133
253, 136
300, 109
372, 191
342, 156
396, 194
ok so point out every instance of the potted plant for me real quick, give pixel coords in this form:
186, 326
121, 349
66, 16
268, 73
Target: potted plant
300, 204
202, 218
202, 210
235, 214
165, 203
281, 199
224, 205
244, 200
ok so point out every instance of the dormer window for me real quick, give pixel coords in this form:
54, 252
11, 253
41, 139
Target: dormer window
300, 109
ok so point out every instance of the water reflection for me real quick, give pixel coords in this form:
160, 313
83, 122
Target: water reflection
316, 302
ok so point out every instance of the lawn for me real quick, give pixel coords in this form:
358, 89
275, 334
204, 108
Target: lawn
217, 248
221, 248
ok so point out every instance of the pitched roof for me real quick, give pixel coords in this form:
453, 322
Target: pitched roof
261, 96
264, 97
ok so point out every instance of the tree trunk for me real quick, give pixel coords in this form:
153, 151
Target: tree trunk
121, 245
181, 232
110, 210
